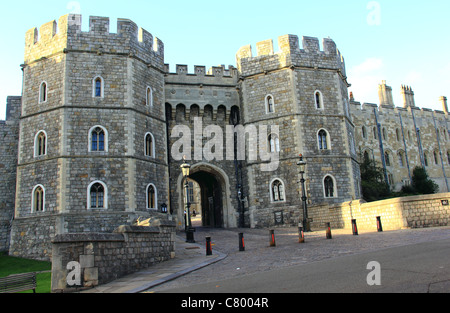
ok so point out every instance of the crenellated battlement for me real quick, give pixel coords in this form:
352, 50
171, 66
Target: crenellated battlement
290, 54
215, 74
66, 35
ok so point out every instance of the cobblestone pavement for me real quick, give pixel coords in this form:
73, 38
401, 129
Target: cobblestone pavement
259, 256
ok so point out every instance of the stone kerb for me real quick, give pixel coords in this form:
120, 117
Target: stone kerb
85, 260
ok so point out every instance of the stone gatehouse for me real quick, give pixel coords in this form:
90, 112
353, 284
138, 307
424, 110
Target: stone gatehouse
97, 137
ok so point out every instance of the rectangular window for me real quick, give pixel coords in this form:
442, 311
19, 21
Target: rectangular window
191, 192
94, 141
101, 142
100, 199
93, 199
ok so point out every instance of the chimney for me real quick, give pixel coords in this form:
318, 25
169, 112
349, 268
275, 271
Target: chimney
443, 101
408, 97
385, 94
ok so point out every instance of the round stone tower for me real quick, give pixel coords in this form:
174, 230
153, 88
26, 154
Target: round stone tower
301, 97
92, 117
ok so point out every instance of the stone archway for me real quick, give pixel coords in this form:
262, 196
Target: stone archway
214, 183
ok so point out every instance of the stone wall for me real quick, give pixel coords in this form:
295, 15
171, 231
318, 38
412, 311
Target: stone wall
31, 237
9, 136
104, 257
395, 214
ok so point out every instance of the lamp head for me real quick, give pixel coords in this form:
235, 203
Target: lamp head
185, 167
301, 164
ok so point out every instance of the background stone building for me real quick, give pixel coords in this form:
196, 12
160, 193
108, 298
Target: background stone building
401, 138
94, 141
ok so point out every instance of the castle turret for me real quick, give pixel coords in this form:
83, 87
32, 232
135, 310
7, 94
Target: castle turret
304, 92
92, 115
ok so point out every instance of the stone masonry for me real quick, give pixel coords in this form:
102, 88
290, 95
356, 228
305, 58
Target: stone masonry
104, 257
98, 136
9, 136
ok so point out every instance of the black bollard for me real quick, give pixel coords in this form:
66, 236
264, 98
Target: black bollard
272, 238
379, 225
241, 242
329, 231
354, 228
208, 246
301, 233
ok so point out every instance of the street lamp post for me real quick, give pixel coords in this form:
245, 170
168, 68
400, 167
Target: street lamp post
241, 206
185, 168
302, 166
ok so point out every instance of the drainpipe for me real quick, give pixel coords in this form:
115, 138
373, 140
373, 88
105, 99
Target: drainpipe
404, 144
419, 143
380, 140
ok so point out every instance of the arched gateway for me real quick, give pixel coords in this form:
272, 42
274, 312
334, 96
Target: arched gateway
216, 208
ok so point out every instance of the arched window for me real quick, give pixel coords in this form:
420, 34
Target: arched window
391, 179
98, 139
149, 96
387, 158
40, 144
435, 156
318, 99
277, 191
322, 137
401, 158
98, 87
425, 158
375, 132
364, 135
38, 199
270, 104
274, 143
384, 134
234, 116
97, 195
43, 91
397, 134
152, 199
366, 157
329, 187
149, 145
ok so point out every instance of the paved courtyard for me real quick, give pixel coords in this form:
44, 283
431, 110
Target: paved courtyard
259, 256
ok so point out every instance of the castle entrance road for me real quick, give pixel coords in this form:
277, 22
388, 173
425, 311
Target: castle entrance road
419, 268
411, 260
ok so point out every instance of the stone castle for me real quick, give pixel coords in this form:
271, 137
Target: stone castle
94, 140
